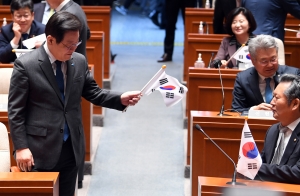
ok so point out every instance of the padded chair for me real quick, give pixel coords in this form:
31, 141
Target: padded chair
4, 149
5, 75
281, 54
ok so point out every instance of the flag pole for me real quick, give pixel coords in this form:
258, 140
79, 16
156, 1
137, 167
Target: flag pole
235, 53
150, 81
291, 30
21, 50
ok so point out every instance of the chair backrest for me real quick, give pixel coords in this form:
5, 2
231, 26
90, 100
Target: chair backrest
5, 75
4, 149
281, 55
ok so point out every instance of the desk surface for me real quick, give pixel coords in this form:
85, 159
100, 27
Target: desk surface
217, 184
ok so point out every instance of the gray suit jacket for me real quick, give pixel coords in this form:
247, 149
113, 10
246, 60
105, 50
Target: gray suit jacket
75, 9
37, 113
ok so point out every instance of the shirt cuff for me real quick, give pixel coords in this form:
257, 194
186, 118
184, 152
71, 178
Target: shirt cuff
14, 46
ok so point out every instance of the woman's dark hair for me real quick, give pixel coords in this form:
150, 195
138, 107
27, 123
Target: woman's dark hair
19, 4
234, 13
60, 23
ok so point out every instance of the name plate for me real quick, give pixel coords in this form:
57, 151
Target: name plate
3, 106
260, 114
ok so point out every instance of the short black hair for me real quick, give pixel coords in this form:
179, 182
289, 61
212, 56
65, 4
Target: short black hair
236, 11
19, 4
293, 91
60, 23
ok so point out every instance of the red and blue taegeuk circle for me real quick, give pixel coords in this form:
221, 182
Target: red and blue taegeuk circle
250, 150
248, 57
168, 87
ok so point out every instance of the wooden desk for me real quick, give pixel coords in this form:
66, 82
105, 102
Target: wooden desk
205, 92
209, 186
205, 158
29, 183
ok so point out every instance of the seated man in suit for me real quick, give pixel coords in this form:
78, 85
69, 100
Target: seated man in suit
254, 86
281, 152
44, 107
22, 27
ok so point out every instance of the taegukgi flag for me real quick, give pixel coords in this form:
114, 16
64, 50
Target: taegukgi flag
170, 88
249, 158
243, 55
20, 52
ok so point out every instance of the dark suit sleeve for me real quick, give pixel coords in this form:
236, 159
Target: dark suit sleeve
17, 98
101, 97
239, 101
292, 7
6, 54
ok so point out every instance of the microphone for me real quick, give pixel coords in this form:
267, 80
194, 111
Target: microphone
233, 180
216, 63
222, 87
212, 55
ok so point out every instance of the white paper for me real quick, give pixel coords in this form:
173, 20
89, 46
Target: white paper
30, 43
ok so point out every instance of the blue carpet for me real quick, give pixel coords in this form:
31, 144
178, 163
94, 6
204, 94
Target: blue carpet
140, 152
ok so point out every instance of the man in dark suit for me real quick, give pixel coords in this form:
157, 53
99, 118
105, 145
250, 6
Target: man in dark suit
253, 87
271, 15
281, 152
75, 9
42, 12
44, 107
22, 27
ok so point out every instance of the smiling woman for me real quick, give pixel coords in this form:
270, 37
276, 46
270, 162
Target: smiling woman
239, 25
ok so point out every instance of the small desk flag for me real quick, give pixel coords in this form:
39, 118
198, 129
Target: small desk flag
243, 55
249, 158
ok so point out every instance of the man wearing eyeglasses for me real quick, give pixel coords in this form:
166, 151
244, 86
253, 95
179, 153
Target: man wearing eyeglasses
22, 27
253, 88
44, 99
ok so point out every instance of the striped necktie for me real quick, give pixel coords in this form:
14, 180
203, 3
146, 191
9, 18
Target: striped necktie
268, 91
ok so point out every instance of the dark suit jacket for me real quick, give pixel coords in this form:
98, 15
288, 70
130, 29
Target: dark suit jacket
222, 9
7, 34
226, 51
75, 9
288, 171
246, 91
270, 15
39, 9
37, 113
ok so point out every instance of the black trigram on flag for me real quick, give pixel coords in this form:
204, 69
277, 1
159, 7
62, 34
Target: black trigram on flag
241, 56
169, 95
239, 157
252, 165
181, 90
247, 134
152, 90
163, 81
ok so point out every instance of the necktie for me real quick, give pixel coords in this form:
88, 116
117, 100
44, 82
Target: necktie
280, 148
51, 12
268, 91
61, 85
24, 36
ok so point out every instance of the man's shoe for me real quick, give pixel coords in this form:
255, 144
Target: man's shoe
121, 10
154, 17
164, 58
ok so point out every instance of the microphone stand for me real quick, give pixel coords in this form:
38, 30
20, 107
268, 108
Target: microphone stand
233, 180
221, 113
212, 55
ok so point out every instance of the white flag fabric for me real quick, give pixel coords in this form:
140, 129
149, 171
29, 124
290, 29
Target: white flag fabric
249, 158
170, 88
30, 43
243, 55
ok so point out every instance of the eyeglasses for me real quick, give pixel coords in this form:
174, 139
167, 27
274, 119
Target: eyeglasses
19, 16
73, 46
273, 60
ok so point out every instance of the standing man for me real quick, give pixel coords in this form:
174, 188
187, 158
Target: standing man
270, 15
44, 103
281, 152
75, 9
253, 87
172, 8
22, 27
222, 9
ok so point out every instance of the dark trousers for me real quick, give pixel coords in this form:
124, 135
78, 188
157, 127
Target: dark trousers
172, 8
128, 3
66, 166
